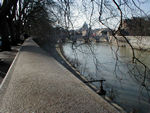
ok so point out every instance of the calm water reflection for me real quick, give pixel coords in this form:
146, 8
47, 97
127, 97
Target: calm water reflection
124, 80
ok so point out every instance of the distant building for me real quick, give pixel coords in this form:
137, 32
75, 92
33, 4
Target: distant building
85, 30
85, 26
74, 35
101, 34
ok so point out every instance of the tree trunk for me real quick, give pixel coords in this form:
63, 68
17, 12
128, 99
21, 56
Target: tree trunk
12, 33
14, 40
4, 31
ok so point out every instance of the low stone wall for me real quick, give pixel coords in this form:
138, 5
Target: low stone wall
138, 42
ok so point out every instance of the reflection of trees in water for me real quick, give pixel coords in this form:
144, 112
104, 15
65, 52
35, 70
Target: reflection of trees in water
131, 66
122, 66
137, 72
112, 93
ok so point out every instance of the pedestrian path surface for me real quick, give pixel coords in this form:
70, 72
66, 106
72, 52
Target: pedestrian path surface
37, 83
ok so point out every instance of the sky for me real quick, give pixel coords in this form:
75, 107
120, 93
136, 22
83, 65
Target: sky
79, 17
1, 1
146, 6
81, 13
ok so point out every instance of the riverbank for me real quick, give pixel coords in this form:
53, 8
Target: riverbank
48, 87
85, 80
57, 52
123, 82
137, 42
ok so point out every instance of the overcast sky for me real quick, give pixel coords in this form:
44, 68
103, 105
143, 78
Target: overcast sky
1, 1
80, 15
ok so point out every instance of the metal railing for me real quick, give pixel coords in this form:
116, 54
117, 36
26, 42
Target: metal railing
101, 90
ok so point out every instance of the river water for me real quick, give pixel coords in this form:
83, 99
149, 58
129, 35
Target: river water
126, 83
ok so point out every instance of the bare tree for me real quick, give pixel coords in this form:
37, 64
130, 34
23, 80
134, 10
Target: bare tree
116, 16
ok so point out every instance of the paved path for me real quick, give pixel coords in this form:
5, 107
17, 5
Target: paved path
39, 84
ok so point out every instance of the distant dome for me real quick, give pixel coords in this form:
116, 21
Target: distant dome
85, 26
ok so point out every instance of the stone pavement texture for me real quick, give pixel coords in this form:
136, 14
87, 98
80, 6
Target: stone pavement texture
36, 83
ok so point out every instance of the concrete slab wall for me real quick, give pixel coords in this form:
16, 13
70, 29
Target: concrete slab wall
138, 42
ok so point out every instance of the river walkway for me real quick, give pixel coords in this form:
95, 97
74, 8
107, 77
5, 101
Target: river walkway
37, 83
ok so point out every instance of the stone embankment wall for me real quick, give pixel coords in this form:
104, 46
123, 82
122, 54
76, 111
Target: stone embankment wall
138, 42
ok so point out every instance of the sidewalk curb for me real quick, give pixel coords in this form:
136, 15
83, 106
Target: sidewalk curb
5, 82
